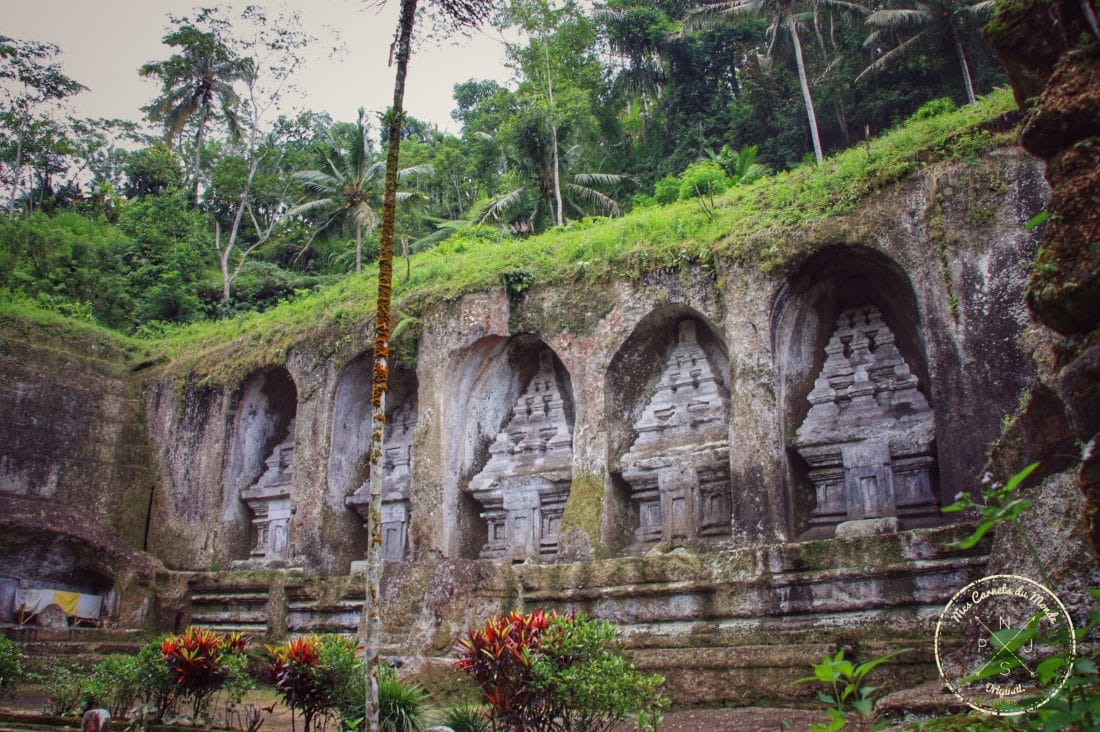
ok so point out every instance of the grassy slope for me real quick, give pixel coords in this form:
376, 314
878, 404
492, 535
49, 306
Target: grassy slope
775, 208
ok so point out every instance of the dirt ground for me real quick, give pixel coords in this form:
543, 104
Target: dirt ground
278, 719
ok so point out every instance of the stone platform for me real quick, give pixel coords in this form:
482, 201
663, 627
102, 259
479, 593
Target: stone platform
732, 627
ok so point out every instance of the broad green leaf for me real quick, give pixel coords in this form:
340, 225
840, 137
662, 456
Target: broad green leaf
1020, 477
979, 532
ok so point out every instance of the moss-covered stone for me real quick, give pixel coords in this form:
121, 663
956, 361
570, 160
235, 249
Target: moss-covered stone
580, 523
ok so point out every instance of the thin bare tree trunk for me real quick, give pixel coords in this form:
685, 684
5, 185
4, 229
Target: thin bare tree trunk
358, 247
372, 624
16, 175
199, 136
805, 84
559, 209
965, 66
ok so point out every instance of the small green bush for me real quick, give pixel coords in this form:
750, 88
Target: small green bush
64, 687
550, 672
932, 108
115, 684
702, 178
467, 718
11, 667
581, 665
401, 706
157, 682
667, 190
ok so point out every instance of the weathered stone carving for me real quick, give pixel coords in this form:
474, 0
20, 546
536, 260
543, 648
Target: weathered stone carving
396, 478
868, 435
524, 485
269, 501
678, 467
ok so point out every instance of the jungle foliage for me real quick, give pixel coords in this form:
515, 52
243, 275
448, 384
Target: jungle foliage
224, 207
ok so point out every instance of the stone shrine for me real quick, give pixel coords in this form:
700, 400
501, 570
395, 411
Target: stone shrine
396, 478
868, 434
524, 485
678, 467
269, 500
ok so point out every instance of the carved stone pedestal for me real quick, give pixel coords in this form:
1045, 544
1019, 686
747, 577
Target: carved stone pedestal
524, 485
269, 501
868, 435
678, 466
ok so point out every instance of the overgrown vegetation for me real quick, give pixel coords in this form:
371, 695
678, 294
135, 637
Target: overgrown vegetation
760, 222
11, 666
547, 672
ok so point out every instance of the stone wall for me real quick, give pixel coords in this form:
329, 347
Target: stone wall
75, 471
657, 450
942, 257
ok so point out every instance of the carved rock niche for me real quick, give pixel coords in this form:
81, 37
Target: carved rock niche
396, 479
262, 465
868, 434
677, 468
269, 500
524, 485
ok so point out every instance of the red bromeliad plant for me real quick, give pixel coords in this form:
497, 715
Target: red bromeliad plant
499, 658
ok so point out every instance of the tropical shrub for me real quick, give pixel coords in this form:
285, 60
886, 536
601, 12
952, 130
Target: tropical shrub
499, 658
544, 671
64, 690
202, 662
114, 684
319, 677
467, 718
667, 190
592, 685
401, 705
158, 682
11, 669
702, 178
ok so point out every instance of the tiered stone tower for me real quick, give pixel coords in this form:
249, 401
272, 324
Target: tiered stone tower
269, 501
396, 479
868, 435
524, 485
678, 467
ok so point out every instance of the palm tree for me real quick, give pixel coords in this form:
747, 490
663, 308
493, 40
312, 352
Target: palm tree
781, 14
467, 13
349, 187
198, 80
547, 188
936, 19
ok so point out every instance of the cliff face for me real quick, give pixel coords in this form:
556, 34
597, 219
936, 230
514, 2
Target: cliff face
943, 256
741, 465
75, 469
1052, 53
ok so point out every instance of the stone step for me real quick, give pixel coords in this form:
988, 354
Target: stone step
206, 618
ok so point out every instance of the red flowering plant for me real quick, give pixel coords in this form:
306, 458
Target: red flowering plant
202, 661
499, 657
544, 672
315, 675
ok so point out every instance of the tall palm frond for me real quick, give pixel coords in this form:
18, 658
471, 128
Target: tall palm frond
930, 19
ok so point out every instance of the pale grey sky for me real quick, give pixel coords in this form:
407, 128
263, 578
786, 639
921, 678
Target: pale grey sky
105, 41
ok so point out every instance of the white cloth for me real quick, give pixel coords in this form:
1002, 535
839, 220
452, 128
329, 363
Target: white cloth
75, 604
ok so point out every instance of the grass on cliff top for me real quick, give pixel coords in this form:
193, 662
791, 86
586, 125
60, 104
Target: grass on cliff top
677, 235
28, 323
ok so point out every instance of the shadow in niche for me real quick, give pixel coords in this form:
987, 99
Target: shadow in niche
668, 397
515, 451
855, 396
261, 467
